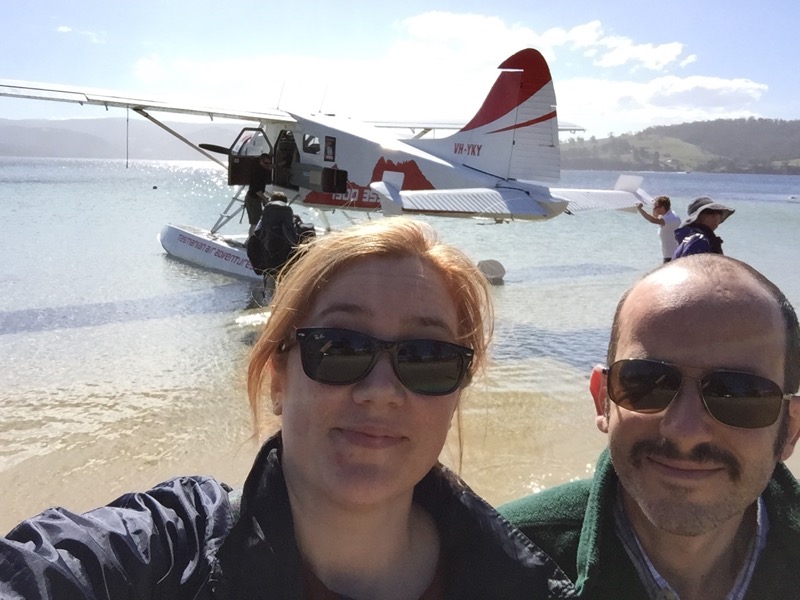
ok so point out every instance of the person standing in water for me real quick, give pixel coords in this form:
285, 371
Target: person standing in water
667, 222
697, 234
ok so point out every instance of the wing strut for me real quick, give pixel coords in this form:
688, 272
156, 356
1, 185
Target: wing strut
177, 135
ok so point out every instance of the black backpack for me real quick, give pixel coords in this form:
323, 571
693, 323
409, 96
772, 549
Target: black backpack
276, 237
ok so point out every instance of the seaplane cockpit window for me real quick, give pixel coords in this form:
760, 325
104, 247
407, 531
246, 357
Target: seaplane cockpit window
251, 142
310, 144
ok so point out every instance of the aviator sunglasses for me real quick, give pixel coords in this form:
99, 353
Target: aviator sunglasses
731, 397
343, 357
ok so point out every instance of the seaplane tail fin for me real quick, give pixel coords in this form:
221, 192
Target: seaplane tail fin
514, 135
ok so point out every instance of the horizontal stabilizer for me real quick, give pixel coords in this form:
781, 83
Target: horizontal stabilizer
625, 196
472, 202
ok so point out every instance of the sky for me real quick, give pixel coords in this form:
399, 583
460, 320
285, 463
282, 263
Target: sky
618, 66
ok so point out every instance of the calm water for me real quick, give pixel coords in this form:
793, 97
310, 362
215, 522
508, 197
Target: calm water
123, 367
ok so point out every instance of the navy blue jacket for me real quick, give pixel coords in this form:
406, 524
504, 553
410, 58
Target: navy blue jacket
183, 540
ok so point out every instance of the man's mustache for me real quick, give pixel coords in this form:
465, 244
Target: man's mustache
700, 454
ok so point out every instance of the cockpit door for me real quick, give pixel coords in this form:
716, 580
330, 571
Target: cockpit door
243, 154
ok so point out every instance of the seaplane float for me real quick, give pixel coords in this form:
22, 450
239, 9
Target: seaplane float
499, 165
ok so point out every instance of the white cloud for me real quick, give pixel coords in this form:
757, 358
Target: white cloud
583, 36
95, 38
611, 51
150, 70
442, 65
622, 51
705, 92
629, 106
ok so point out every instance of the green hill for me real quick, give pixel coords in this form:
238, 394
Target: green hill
720, 146
724, 145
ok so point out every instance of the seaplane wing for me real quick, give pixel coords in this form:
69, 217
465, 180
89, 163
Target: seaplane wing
427, 126
625, 196
109, 99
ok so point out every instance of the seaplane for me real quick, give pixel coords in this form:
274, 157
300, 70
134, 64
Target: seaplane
500, 165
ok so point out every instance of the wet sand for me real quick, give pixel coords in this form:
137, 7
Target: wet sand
514, 444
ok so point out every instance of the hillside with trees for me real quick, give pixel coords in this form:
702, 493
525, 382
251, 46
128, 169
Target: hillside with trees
720, 146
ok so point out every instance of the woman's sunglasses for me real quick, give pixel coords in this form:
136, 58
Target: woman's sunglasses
731, 397
343, 357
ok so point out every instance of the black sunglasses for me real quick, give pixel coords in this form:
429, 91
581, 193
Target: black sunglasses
731, 397
343, 357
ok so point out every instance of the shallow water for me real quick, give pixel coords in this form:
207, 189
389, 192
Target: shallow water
124, 367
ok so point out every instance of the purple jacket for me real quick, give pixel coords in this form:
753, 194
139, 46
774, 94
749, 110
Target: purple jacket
696, 239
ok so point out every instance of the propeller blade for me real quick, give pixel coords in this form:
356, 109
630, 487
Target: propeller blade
215, 148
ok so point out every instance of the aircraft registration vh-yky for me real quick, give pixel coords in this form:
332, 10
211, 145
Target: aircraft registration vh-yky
499, 165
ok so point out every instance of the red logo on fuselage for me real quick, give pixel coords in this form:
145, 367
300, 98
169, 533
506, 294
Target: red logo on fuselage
362, 197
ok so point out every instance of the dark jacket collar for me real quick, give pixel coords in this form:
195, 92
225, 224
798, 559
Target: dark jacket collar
486, 557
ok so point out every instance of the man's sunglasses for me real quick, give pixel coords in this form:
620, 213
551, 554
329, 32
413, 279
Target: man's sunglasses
343, 357
731, 397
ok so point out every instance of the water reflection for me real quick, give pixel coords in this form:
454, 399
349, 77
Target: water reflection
542, 273
579, 348
219, 299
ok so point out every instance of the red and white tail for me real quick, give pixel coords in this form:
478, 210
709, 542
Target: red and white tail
514, 135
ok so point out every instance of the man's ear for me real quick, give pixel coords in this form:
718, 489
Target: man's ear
277, 383
794, 428
597, 387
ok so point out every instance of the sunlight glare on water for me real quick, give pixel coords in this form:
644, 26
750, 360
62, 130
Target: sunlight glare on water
123, 367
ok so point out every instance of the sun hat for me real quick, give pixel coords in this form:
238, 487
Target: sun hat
702, 203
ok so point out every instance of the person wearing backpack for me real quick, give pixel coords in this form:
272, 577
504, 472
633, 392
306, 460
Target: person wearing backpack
276, 237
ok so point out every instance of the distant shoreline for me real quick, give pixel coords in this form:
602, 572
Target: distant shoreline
735, 146
622, 168
628, 167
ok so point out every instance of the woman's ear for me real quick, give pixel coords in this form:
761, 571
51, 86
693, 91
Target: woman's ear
277, 383
597, 388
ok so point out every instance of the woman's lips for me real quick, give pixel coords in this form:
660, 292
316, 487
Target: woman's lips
370, 437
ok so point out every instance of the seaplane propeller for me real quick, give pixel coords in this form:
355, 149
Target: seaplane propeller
216, 148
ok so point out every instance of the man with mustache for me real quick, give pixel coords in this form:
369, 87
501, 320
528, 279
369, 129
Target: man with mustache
691, 499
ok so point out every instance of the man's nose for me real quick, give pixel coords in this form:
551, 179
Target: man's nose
686, 420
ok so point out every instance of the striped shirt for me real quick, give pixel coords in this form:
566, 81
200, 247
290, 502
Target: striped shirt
657, 587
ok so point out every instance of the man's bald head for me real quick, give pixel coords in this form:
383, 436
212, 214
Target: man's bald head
709, 282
